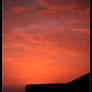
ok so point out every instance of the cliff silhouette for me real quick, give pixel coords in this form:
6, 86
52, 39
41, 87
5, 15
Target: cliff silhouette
79, 85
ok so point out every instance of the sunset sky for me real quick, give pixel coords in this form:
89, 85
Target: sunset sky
44, 41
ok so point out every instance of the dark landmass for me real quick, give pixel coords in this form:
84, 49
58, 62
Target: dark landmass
79, 85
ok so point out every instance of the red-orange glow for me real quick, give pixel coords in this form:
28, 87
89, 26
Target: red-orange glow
17, 10
45, 41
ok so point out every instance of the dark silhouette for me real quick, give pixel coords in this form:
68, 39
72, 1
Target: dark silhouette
79, 85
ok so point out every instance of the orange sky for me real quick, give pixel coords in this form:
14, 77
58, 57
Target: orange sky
45, 41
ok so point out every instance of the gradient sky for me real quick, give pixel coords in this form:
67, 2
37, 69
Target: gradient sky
44, 41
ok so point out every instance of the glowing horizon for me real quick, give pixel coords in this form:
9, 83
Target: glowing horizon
45, 41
